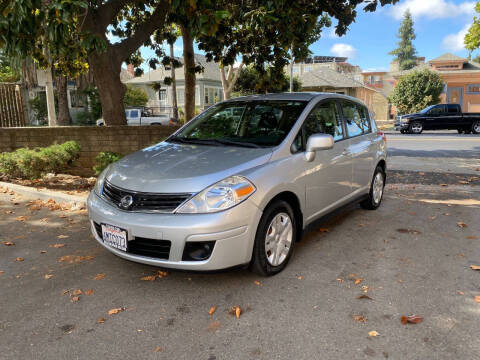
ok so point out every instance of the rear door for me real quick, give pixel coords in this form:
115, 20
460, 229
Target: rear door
454, 117
134, 117
327, 178
361, 143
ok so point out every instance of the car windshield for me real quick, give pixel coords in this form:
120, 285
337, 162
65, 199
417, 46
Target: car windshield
248, 123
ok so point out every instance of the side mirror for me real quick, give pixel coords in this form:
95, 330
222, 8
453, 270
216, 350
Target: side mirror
317, 142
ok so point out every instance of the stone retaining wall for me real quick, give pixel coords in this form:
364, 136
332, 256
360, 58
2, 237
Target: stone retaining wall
119, 139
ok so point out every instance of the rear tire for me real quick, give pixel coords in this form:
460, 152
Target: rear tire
416, 127
403, 131
275, 239
375, 196
461, 131
476, 127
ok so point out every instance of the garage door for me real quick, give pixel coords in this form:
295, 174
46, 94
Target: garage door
473, 107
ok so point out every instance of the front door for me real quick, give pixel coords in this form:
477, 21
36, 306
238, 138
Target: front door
328, 177
455, 95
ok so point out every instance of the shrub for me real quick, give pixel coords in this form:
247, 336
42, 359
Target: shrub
34, 163
104, 159
85, 118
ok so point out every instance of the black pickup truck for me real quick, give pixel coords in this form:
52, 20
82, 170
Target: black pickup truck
439, 117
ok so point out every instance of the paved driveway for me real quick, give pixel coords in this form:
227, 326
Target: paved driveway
409, 257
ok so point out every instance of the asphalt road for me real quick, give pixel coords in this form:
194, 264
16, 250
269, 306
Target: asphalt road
434, 151
410, 257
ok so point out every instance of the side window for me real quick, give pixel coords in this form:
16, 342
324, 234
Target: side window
438, 110
134, 113
352, 118
364, 119
453, 109
328, 119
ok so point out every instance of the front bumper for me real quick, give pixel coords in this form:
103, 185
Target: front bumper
233, 232
401, 126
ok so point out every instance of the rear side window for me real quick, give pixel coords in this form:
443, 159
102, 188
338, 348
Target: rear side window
353, 119
365, 121
453, 109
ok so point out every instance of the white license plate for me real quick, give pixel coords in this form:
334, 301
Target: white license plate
114, 237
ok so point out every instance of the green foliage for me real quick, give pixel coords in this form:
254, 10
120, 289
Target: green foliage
38, 105
405, 54
94, 102
8, 73
86, 118
472, 38
135, 96
104, 159
34, 163
417, 90
252, 81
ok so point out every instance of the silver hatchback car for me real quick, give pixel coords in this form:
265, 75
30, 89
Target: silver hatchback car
239, 183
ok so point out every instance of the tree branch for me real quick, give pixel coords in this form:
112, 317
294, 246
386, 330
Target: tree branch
124, 48
235, 77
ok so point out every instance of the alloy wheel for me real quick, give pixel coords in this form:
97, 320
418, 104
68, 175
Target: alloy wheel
378, 183
278, 239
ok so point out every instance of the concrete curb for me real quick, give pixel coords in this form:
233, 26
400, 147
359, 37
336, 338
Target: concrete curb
42, 194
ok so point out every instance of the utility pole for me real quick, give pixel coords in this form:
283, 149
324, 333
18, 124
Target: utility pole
291, 69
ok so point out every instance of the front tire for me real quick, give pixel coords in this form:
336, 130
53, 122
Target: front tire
403, 131
416, 127
375, 196
275, 239
461, 131
476, 127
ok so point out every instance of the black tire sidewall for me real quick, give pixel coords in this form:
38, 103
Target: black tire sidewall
260, 263
473, 127
369, 203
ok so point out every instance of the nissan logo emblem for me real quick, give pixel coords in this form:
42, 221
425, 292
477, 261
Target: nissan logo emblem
126, 202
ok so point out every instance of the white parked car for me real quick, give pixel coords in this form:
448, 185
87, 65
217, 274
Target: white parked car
142, 116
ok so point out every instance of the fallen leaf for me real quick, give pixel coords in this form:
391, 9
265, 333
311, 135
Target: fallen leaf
77, 292
358, 281
65, 292
56, 246
340, 280
48, 276
158, 349
412, 319
75, 259
365, 288
433, 217
19, 259
212, 310
363, 296
360, 318
460, 292
75, 298
89, 292
43, 252
99, 277
8, 243
21, 218
477, 299
115, 310
148, 278
443, 185
323, 230
100, 320
238, 310
161, 274
408, 231
1, 272
63, 236
235, 310
299, 277
421, 173
256, 282
462, 224
373, 333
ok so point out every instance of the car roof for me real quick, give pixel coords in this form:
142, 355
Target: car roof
293, 96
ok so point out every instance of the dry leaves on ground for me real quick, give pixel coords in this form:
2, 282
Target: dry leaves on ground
19, 259
360, 318
77, 292
1, 272
75, 258
235, 310
358, 281
100, 320
89, 292
373, 333
256, 282
99, 276
75, 298
115, 310
411, 319
409, 231
48, 276
477, 299
462, 224
323, 230
212, 310
159, 274
56, 246
63, 236
475, 267
148, 278
21, 218
363, 296
8, 243
158, 349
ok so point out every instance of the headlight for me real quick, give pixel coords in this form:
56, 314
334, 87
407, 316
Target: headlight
99, 184
221, 196
406, 120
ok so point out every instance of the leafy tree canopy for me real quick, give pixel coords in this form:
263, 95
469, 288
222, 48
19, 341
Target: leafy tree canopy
8, 73
252, 81
405, 54
417, 90
472, 38
135, 96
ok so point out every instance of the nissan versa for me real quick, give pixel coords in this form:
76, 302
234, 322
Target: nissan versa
239, 183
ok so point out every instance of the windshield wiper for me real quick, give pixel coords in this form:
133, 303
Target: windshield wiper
183, 140
235, 143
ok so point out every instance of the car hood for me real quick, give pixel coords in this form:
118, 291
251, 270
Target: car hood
183, 168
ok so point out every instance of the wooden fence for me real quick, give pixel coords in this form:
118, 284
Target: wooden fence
11, 106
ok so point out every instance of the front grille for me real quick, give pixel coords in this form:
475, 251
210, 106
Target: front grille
142, 201
159, 249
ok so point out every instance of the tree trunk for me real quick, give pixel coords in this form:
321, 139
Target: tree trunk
229, 80
106, 72
291, 71
64, 118
52, 117
174, 84
189, 70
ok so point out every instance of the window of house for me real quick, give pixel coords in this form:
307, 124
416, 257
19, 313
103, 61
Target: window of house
473, 89
181, 96
77, 99
352, 118
212, 95
162, 95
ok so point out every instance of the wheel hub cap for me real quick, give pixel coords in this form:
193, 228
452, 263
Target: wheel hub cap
278, 239
378, 188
